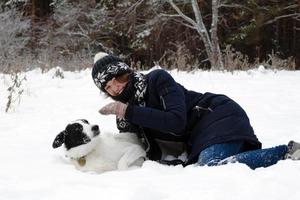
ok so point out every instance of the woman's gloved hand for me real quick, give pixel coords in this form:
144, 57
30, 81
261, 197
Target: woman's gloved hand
114, 108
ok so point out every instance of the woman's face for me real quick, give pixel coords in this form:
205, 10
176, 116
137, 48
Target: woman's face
115, 86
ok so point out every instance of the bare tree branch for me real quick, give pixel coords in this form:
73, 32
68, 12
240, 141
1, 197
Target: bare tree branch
196, 9
235, 6
291, 6
281, 17
134, 7
178, 21
189, 20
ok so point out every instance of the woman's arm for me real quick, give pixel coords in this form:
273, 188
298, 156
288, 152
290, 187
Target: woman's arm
172, 98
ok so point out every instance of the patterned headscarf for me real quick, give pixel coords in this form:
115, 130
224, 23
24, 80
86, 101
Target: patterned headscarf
107, 67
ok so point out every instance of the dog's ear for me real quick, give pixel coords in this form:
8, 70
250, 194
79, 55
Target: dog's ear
59, 139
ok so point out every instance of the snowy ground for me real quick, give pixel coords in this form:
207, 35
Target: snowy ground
30, 169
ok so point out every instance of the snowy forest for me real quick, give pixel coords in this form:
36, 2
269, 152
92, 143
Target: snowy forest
175, 34
247, 50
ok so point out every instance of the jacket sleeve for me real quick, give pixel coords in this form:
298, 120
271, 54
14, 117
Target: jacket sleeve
172, 118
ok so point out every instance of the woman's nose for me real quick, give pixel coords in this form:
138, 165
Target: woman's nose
115, 89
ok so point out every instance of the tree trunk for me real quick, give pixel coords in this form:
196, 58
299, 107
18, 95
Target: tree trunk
201, 29
216, 52
297, 36
211, 42
40, 11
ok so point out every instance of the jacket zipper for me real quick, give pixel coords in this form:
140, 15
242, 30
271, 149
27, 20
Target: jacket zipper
165, 108
163, 102
198, 108
146, 142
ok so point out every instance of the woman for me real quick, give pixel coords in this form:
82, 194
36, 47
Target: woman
211, 128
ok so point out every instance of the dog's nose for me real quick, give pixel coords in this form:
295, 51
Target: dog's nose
95, 128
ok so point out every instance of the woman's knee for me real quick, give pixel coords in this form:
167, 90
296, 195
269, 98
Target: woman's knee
214, 154
208, 156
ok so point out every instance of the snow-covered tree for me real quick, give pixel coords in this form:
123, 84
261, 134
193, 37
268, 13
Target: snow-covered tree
14, 37
209, 38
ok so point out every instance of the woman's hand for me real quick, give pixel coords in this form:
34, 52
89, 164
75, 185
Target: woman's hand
114, 108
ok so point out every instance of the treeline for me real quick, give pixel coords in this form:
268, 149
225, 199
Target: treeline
67, 33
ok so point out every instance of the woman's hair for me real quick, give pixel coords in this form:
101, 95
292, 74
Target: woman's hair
123, 78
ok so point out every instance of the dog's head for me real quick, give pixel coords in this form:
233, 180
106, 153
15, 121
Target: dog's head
79, 138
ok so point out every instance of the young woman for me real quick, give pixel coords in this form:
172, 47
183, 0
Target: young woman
212, 128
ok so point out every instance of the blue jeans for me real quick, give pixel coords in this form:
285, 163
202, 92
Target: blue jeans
231, 152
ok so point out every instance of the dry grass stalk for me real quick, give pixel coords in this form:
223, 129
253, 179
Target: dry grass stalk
235, 60
15, 90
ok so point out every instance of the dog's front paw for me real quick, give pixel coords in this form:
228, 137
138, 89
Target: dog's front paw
133, 156
123, 164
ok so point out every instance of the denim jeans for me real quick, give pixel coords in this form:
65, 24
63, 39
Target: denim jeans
231, 152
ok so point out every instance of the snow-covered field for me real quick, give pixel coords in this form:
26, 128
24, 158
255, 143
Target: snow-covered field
30, 169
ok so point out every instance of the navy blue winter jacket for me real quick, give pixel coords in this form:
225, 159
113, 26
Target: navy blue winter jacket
174, 113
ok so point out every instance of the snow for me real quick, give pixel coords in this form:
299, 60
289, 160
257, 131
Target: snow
31, 169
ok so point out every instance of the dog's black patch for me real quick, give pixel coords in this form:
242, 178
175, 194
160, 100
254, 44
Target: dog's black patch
74, 136
59, 140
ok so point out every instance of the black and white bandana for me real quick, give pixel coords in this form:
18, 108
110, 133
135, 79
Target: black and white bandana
140, 88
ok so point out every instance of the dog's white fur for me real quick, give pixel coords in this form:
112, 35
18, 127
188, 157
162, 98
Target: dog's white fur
113, 152
107, 151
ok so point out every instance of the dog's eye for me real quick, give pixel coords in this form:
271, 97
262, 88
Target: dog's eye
85, 121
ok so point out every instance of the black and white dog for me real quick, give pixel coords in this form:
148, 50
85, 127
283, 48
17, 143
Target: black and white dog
89, 150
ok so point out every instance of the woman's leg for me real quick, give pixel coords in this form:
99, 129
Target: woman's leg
214, 154
258, 158
231, 152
